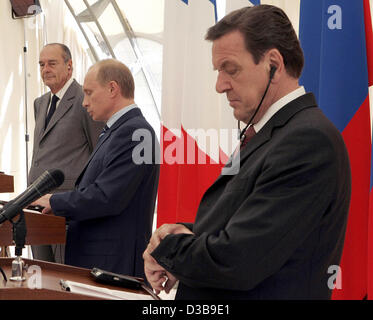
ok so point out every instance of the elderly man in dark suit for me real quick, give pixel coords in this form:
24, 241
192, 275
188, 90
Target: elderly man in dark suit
273, 230
110, 212
64, 135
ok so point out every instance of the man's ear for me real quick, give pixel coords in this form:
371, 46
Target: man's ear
114, 87
70, 65
275, 62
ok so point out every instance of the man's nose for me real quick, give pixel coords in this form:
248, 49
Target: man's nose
222, 83
85, 102
45, 69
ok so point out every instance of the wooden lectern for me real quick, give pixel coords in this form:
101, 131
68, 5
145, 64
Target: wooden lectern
42, 229
6, 183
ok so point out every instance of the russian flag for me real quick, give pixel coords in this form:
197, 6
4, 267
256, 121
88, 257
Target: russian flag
369, 43
333, 36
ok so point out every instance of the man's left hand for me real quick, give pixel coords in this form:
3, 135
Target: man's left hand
44, 201
158, 277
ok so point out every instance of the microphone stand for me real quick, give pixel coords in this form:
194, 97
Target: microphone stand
19, 238
4, 275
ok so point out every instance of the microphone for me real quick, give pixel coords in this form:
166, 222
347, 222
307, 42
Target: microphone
48, 181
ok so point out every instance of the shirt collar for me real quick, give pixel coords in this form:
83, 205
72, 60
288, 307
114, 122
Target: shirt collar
63, 90
120, 113
277, 106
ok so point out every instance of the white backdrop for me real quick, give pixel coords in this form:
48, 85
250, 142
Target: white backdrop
53, 25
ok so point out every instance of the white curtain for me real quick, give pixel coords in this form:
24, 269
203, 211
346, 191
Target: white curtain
12, 91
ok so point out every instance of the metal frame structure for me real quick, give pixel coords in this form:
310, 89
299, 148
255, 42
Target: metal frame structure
92, 13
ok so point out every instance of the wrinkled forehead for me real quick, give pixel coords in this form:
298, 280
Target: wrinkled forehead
51, 53
228, 48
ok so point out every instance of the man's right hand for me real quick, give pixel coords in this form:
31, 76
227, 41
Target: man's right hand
163, 231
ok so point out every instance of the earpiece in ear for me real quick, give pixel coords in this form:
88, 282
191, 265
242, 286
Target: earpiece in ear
272, 72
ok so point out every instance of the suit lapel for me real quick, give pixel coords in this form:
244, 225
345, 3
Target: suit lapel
65, 104
42, 114
131, 114
278, 120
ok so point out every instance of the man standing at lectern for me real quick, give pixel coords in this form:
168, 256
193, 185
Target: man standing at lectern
64, 135
273, 230
111, 210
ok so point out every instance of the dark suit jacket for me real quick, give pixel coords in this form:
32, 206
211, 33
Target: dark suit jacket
273, 230
110, 213
69, 139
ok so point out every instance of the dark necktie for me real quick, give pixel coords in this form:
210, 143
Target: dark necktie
249, 133
52, 109
106, 128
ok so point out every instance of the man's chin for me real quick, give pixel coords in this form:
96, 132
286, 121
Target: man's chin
95, 118
49, 84
240, 117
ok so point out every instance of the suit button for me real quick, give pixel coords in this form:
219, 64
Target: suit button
36, 164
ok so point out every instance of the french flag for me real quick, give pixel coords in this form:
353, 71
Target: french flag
198, 131
194, 152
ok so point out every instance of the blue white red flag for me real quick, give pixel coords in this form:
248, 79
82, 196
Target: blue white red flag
198, 129
333, 37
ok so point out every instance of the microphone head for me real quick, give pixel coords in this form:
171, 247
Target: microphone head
48, 181
57, 175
